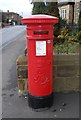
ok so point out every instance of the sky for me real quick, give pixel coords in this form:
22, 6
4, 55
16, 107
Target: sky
22, 7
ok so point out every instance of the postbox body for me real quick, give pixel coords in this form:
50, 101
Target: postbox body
40, 54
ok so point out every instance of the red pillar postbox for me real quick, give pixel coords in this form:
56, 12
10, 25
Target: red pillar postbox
40, 57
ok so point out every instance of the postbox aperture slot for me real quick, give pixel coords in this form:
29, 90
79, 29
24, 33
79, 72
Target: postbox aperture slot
40, 32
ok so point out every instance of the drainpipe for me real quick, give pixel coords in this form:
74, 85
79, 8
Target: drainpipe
73, 3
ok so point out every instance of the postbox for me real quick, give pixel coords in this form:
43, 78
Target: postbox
40, 57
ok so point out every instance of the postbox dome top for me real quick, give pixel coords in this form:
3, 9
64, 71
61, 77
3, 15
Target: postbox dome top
40, 18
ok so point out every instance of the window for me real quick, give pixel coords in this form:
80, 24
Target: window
63, 14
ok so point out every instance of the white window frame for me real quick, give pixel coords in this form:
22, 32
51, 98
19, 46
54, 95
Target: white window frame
63, 13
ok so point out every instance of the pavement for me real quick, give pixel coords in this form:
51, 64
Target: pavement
66, 105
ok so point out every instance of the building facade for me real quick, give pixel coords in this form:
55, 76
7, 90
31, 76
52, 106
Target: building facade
66, 11
12, 17
70, 11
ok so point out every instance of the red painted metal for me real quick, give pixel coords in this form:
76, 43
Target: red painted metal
40, 28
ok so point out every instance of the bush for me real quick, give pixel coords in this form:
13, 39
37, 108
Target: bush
68, 41
63, 35
67, 48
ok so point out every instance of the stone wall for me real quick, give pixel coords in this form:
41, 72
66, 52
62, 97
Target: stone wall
66, 76
65, 73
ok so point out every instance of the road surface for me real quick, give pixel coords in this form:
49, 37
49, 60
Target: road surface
9, 34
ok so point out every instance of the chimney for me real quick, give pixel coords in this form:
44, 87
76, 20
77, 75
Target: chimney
7, 11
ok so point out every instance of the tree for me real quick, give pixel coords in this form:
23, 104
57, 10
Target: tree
52, 9
49, 8
38, 8
79, 22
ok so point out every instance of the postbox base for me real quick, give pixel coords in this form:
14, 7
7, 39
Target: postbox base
40, 102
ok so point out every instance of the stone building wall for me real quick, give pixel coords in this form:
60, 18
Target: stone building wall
12, 16
77, 10
69, 10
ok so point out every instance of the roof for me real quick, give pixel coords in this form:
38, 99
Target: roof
65, 3
11, 13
